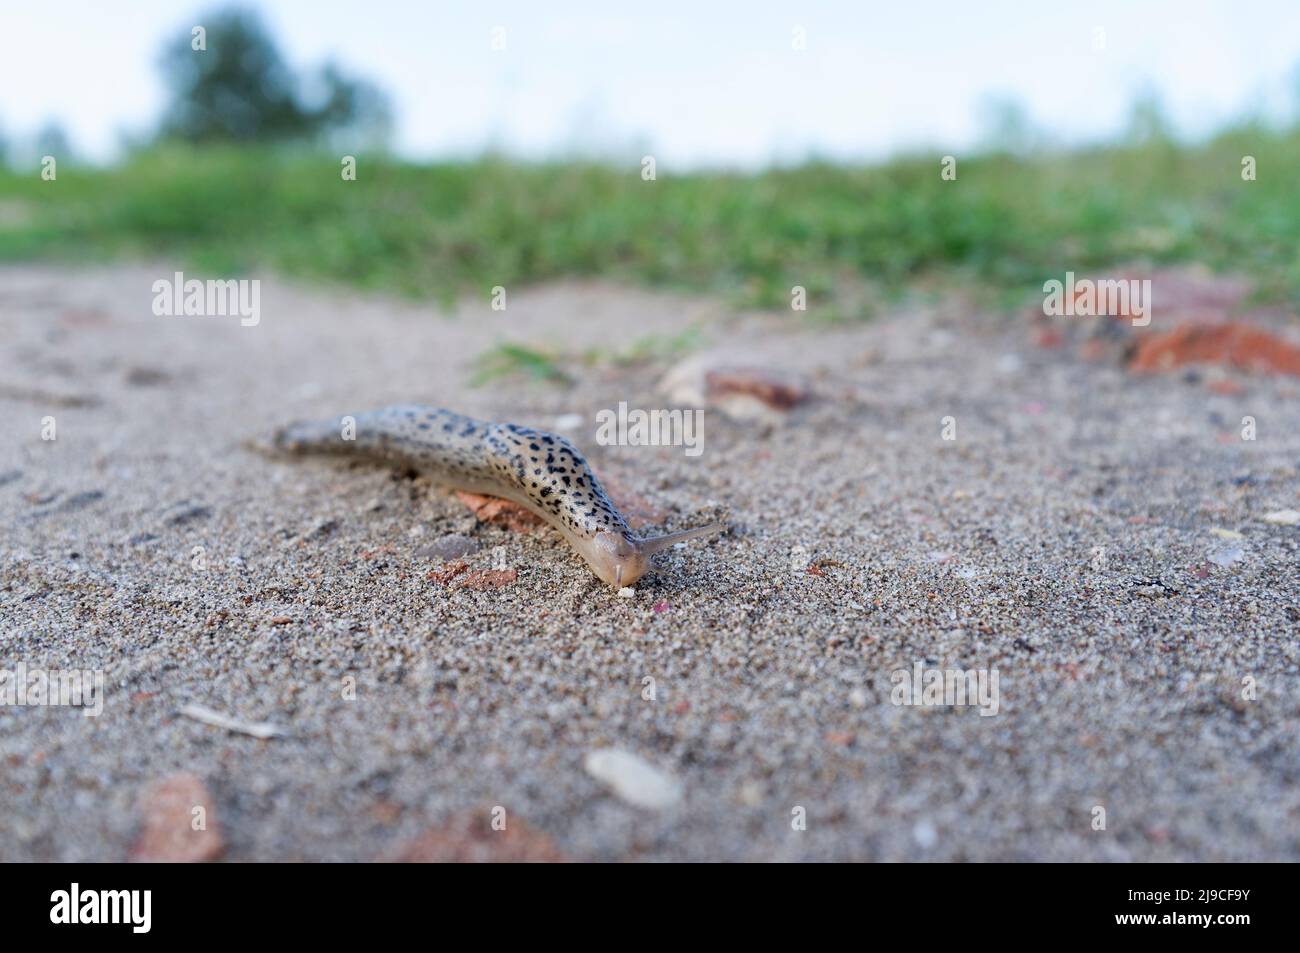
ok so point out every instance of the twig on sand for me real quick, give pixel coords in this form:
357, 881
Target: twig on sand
259, 729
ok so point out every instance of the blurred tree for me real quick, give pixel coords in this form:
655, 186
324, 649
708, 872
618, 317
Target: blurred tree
348, 110
238, 88
1005, 126
1295, 88
1147, 121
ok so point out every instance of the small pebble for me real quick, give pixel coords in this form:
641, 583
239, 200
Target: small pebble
170, 807
633, 779
925, 835
1227, 557
627, 592
189, 514
1283, 517
448, 548
147, 377
488, 579
324, 528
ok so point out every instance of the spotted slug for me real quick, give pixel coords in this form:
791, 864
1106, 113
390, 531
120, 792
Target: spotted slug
540, 471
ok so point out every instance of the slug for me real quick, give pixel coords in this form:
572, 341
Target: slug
540, 471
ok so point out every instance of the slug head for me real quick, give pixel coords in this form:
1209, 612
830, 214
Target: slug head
621, 561
616, 559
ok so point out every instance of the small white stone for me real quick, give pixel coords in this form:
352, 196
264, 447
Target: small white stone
1283, 517
1227, 557
858, 698
627, 592
633, 779
568, 421
925, 835
684, 382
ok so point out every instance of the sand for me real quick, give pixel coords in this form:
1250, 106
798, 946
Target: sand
1098, 538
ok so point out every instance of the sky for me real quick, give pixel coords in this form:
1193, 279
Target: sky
694, 84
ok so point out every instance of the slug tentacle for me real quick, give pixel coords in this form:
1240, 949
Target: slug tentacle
657, 544
538, 470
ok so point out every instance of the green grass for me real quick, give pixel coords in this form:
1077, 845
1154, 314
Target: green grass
440, 231
647, 349
520, 361
517, 360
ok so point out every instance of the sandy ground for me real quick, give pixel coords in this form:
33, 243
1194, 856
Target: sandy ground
1096, 537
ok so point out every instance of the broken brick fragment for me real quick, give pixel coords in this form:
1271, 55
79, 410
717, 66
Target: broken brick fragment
179, 823
1233, 344
491, 509
488, 579
777, 390
470, 838
444, 574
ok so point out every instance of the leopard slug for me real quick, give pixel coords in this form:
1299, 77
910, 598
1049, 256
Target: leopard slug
540, 471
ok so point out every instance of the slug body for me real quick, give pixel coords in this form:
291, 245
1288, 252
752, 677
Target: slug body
540, 471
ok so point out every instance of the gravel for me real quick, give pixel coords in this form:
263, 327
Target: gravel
1106, 542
